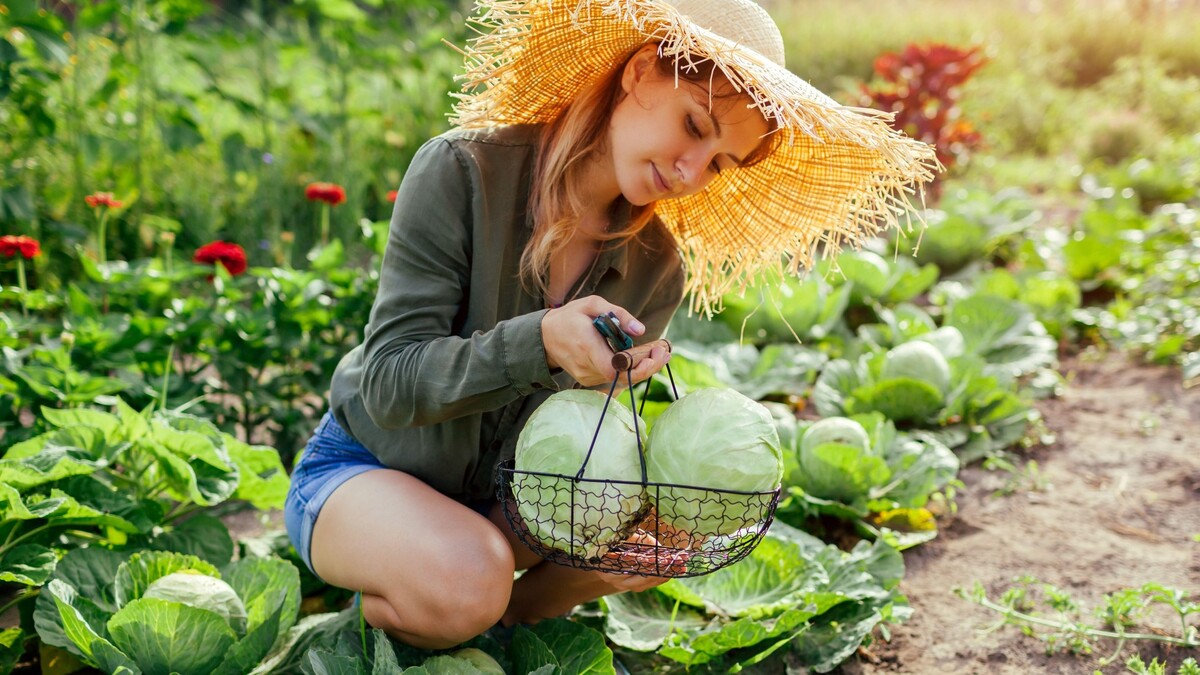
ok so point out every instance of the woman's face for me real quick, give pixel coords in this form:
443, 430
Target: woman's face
669, 142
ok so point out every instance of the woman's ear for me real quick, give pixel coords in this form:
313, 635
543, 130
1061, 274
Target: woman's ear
639, 67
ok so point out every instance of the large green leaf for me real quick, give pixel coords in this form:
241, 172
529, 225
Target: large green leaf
170, 637
837, 380
119, 509
89, 572
69, 511
722, 637
568, 645
191, 478
263, 633
987, 322
12, 648
264, 584
867, 272
27, 564
202, 535
315, 629
919, 467
445, 664
83, 640
191, 445
318, 661
13, 506
107, 423
262, 480
642, 621
529, 652
786, 369
58, 454
775, 576
828, 643
909, 280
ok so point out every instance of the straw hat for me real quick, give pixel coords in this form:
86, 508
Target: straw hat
838, 176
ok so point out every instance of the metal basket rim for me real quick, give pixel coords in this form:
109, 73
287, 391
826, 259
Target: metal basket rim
505, 468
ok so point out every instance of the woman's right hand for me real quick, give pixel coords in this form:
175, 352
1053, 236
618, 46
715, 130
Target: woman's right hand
573, 343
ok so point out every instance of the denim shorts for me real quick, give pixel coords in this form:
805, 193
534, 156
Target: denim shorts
331, 458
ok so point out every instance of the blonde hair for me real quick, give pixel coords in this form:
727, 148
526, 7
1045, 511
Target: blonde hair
577, 134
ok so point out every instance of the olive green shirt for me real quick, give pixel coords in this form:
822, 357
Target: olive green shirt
453, 363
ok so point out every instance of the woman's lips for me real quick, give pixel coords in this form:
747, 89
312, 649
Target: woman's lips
659, 182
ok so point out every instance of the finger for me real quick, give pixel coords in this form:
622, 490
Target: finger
629, 322
650, 365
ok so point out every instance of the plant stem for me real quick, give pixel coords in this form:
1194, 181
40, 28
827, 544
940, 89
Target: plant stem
167, 376
103, 257
21, 283
1094, 632
13, 541
324, 224
75, 122
27, 593
145, 81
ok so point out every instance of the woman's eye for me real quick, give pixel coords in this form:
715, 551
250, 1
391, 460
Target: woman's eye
692, 128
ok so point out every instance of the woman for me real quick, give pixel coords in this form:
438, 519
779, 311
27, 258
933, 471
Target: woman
613, 158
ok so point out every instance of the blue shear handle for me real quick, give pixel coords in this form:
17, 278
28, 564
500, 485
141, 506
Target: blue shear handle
610, 327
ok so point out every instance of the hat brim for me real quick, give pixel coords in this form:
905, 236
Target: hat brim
838, 176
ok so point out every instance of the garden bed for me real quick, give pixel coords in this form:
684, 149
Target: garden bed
1113, 504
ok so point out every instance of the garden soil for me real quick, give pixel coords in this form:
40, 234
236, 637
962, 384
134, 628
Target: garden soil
1115, 503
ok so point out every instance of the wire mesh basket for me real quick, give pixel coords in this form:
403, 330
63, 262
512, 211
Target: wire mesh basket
632, 527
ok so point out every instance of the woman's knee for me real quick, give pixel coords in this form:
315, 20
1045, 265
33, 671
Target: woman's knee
482, 587
469, 598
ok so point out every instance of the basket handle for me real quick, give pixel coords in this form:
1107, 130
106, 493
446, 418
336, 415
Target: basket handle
626, 360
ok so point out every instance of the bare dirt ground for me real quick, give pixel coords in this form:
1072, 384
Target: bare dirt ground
1116, 506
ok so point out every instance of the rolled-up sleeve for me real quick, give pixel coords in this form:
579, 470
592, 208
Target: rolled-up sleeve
416, 371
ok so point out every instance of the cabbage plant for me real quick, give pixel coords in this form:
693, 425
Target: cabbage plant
909, 383
167, 612
582, 518
853, 466
713, 440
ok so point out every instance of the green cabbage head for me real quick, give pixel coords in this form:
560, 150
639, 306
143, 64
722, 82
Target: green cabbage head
918, 360
556, 441
836, 461
716, 439
841, 430
202, 592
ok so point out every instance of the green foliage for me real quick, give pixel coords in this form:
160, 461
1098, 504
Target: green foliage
248, 351
98, 606
792, 593
1115, 618
883, 471
125, 479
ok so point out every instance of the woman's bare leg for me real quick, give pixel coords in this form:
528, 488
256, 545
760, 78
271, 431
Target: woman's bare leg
432, 572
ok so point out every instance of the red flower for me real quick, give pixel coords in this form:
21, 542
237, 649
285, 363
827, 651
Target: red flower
391, 195
232, 256
98, 199
330, 193
11, 245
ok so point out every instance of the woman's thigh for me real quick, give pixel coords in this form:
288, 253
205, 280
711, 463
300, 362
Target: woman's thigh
386, 533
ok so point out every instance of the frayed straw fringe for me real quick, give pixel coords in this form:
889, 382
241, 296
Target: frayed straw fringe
864, 191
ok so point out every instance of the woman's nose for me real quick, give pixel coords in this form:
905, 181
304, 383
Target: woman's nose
692, 172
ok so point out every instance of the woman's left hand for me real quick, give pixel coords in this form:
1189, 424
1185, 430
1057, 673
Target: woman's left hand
648, 560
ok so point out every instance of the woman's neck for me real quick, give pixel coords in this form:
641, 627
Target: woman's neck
600, 189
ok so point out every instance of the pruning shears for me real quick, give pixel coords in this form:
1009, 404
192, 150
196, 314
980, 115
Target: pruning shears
610, 327
625, 355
